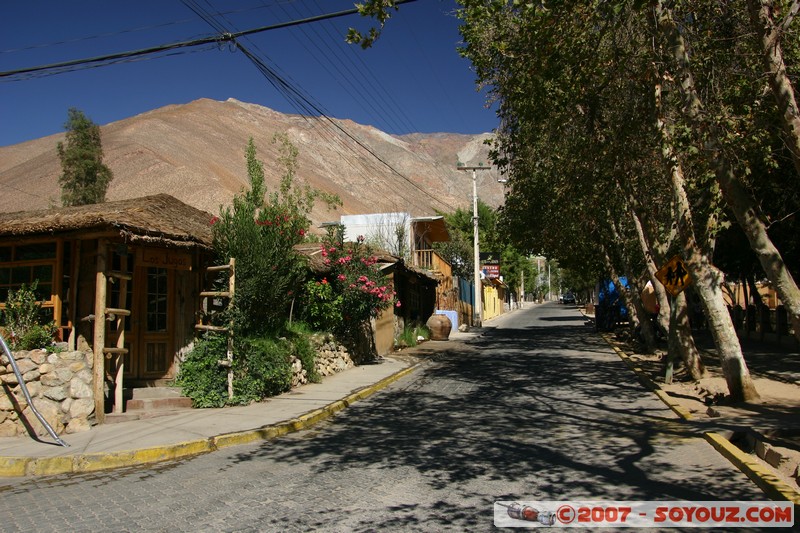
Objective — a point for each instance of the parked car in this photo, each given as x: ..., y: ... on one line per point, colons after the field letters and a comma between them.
x: 568, y: 298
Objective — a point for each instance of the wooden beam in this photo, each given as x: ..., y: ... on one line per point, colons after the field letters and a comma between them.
x: 120, y: 275
x: 120, y: 350
x: 73, y: 295
x: 101, y: 288
x: 210, y: 328
x: 218, y: 268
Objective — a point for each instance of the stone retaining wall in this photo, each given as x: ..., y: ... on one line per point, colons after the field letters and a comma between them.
x: 60, y: 385
x: 332, y: 357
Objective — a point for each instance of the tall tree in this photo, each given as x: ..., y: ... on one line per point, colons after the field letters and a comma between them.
x: 85, y: 178
x: 772, y: 34
x: 574, y: 84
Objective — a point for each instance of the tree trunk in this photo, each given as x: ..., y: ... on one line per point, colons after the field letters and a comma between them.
x: 707, y: 281
x: 779, y: 82
x: 707, y: 278
x: 734, y: 193
x: 644, y: 326
x: 689, y: 353
x: 679, y: 332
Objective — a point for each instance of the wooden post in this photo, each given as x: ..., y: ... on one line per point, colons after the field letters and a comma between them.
x: 672, y: 342
x: 120, y: 357
x: 73, y: 296
x: 100, y: 332
x: 231, y: 288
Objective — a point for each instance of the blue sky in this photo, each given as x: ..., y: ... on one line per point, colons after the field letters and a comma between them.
x: 412, y: 80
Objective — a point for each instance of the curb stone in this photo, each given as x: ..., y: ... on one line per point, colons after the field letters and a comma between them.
x: 773, y: 487
x: 85, y: 463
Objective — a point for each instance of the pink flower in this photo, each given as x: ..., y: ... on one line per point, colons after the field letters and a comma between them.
x: 397, y: 304
x: 214, y: 220
x: 324, y: 281
x: 342, y: 277
x: 302, y: 232
x: 324, y: 253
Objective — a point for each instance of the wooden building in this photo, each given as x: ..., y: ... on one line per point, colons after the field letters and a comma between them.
x: 120, y: 279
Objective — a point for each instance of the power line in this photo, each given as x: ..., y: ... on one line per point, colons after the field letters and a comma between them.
x: 293, y: 93
x: 221, y: 38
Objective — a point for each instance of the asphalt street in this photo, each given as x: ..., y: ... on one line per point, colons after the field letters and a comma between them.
x: 538, y: 408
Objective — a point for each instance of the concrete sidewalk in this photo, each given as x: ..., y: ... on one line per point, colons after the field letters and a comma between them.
x: 196, y: 431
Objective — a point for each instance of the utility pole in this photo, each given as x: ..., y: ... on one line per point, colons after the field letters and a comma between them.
x: 477, y: 308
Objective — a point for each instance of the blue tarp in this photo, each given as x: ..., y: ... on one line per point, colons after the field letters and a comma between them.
x: 611, y: 307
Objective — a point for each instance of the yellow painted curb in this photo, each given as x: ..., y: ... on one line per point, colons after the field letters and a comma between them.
x: 14, y: 466
x: 775, y: 488
x: 309, y: 419
x: 73, y: 464
x: 49, y: 466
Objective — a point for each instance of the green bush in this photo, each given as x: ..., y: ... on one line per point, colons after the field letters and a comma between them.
x: 303, y: 349
x: 22, y: 319
x: 260, y: 230
x: 262, y: 368
x: 409, y: 336
x: 201, y: 376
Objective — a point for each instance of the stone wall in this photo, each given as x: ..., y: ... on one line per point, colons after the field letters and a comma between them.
x: 60, y: 385
x: 332, y: 357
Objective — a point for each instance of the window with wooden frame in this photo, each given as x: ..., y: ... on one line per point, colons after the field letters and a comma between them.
x: 25, y: 263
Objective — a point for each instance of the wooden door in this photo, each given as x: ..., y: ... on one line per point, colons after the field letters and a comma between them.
x: 154, y: 354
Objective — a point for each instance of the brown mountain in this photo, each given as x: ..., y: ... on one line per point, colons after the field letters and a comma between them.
x: 195, y: 152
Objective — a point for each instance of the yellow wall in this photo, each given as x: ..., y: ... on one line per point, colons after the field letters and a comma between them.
x: 492, y: 302
x: 384, y: 331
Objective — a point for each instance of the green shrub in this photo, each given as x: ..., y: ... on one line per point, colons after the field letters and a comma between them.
x: 37, y: 336
x: 410, y: 336
x: 261, y: 369
x: 201, y: 376
x: 303, y: 349
x: 22, y: 319
x: 260, y: 230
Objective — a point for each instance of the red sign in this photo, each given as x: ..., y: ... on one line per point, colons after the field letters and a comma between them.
x: 491, y: 271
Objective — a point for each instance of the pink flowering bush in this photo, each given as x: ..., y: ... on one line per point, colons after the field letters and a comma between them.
x: 353, y: 291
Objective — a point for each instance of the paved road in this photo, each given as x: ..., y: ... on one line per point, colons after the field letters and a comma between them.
x: 537, y: 409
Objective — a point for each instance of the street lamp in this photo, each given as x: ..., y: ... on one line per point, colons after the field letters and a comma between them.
x: 477, y: 308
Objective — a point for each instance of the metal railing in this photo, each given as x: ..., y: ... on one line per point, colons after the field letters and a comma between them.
x: 28, y: 394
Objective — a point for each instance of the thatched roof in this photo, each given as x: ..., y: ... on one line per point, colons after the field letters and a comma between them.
x: 159, y: 219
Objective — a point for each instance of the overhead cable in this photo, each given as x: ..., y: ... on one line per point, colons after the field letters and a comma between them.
x: 221, y: 38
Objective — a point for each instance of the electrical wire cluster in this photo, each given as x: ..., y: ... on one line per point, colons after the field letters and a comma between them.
x: 350, y: 68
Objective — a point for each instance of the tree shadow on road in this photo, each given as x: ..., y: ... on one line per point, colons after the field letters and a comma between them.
x: 548, y: 412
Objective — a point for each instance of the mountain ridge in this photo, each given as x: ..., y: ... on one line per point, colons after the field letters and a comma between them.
x: 195, y: 152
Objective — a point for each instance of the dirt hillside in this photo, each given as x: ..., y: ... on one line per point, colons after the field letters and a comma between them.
x: 195, y: 152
